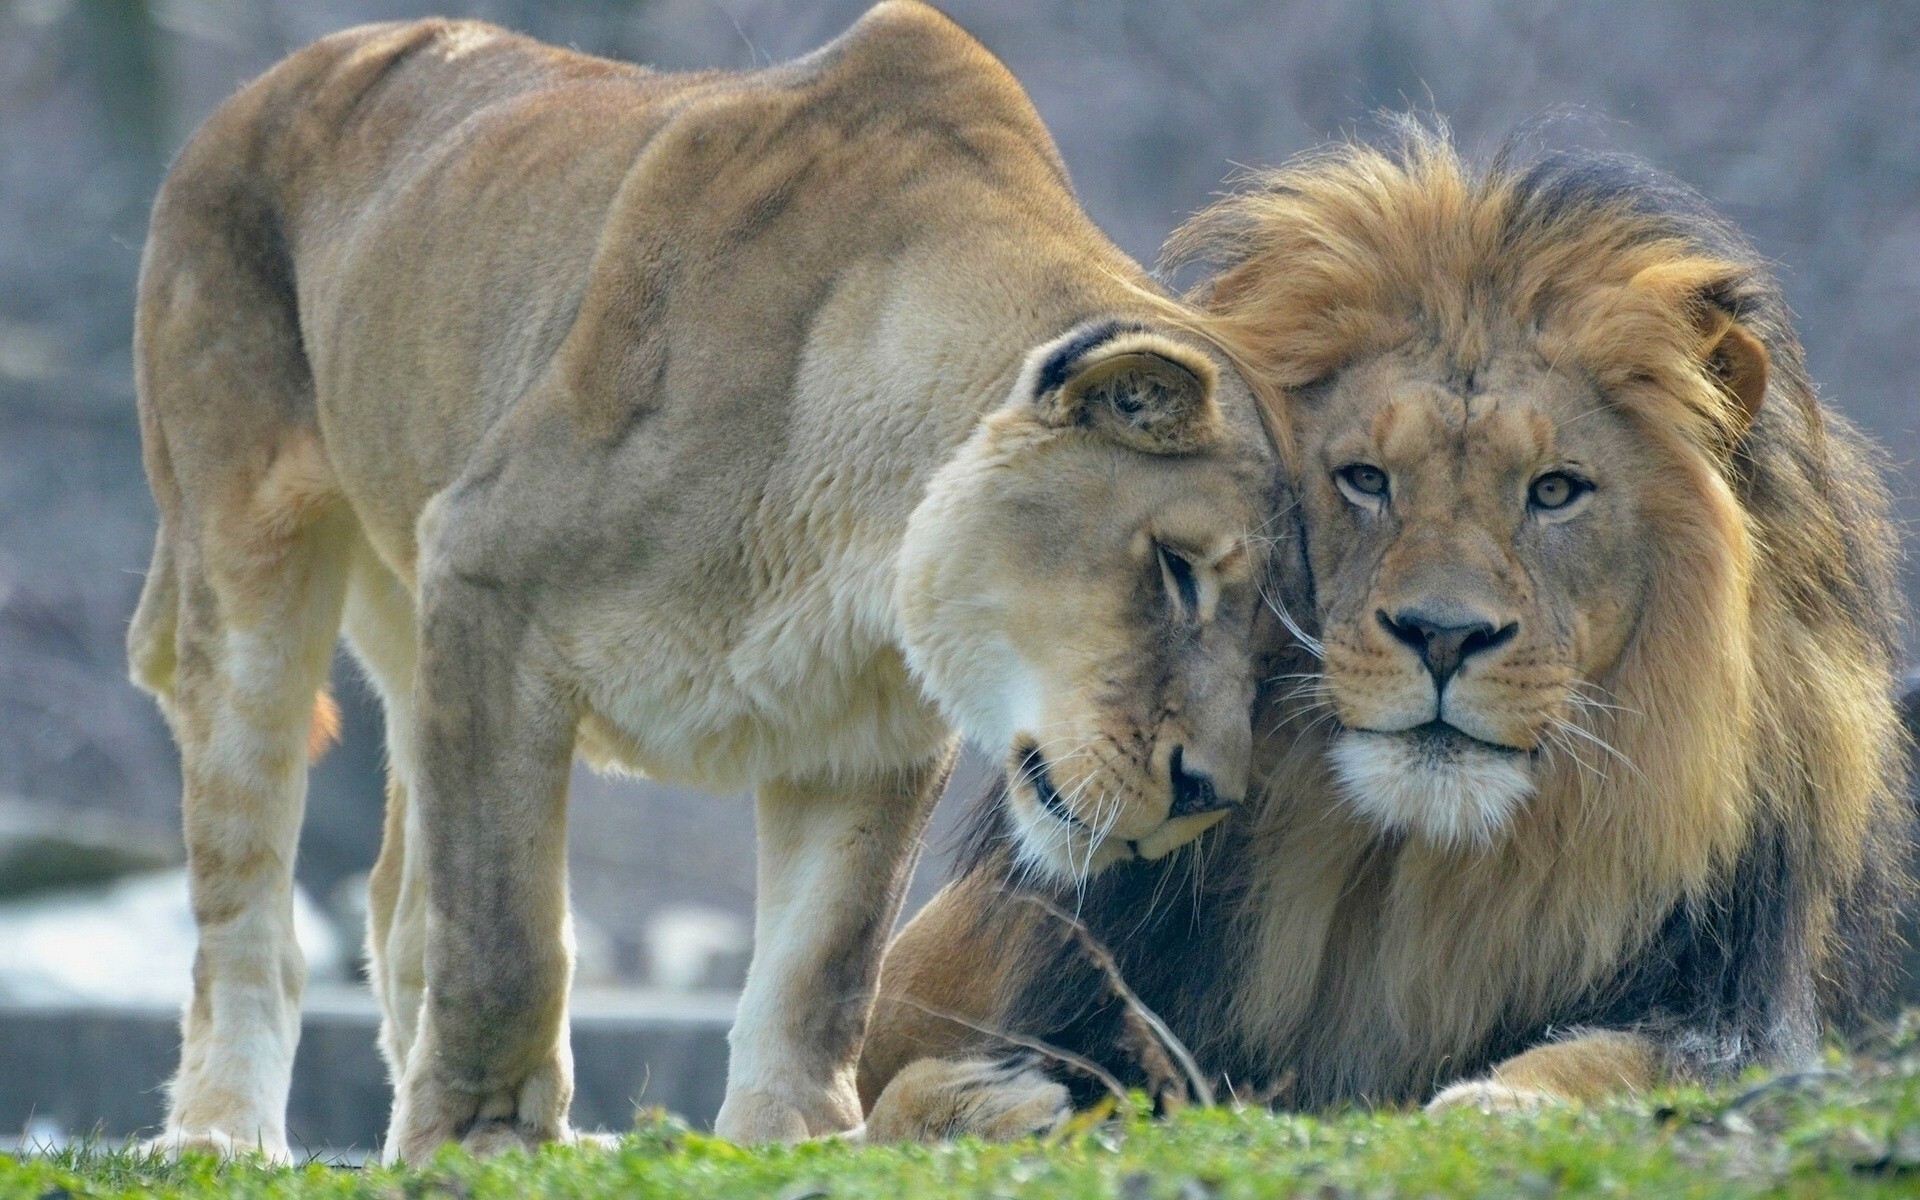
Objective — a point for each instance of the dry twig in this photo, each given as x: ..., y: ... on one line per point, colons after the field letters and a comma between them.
x: 1067, y: 1057
x: 1162, y: 1037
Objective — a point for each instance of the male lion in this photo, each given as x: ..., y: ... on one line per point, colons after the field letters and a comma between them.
x: 1580, y: 768
x: 745, y: 428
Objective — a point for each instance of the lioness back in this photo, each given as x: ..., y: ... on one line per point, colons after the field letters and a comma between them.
x: 490, y: 235
x: 460, y: 190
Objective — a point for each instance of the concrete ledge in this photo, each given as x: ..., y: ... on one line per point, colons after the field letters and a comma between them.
x: 81, y: 1069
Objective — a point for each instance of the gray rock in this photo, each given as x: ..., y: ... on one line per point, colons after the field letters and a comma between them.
x: 130, y: 941
x: 43, y: 847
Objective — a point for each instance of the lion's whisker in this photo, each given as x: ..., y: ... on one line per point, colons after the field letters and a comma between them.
x: 1312, y: 645
x: 1316, y: 706
x: 1318, y: 721
x: 1559, y: 741
x: 1600, y: 742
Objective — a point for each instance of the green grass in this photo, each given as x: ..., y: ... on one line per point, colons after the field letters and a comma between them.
x: 1850, y: 1129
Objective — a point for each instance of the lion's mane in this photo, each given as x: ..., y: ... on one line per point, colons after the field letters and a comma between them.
x: 1729, y: 893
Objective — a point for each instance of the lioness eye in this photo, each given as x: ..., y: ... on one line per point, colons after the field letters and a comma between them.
x: 1556, y: 489
x: 1178, y: 573
x: 1364, y: 478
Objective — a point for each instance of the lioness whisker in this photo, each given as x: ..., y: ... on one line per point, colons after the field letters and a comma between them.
x: 1271, y: 518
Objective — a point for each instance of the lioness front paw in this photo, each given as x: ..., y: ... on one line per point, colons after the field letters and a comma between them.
x: 937, y: 1098
x: 220, y: 1143
x: 489, y: 1138
x: 1490, y: 1096
x: 415, y: 1141
x: 754, y: 1116
x: 428, y: 1113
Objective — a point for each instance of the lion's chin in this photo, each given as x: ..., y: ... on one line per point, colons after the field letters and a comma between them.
x: 1444, y: 788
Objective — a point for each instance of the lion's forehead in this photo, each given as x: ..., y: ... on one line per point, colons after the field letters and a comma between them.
x: 1461, y: 427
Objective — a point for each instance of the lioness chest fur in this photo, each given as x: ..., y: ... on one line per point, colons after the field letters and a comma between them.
x: 746, y: 429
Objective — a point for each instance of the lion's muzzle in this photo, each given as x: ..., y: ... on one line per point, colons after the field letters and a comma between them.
x: 1445, y: 642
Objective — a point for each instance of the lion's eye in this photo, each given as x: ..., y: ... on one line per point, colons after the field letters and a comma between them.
x: 1364, y: 478
x: 1557, y: 489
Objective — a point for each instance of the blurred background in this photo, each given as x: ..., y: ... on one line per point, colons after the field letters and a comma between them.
x: 1799, y: 118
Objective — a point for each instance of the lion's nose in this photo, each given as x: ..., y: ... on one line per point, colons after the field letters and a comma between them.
x: 1444, y: 644
x: 1193, y: 791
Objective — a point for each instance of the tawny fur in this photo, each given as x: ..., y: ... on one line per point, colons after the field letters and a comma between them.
x: 749, y: 429
x: 323, y: 727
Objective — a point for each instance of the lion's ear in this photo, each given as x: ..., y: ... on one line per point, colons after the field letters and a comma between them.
x: 1738, y: 360
x: 1142, y: 389
x: 1709, y: 292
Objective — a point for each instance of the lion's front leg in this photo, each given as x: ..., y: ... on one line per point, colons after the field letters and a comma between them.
x: 489, y: 1065
x: 834, y: 860
x: 1587, y: 1067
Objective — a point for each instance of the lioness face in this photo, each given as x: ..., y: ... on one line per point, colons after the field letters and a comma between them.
x: 1477, y: 544
x: 1080, y: 590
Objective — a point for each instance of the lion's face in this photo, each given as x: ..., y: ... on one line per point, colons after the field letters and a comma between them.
x: 1079, y: 593
x: 1478, y: 550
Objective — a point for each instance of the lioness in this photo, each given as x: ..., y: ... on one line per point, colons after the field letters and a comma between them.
x: 751, y: 428
x: 1581, y: 769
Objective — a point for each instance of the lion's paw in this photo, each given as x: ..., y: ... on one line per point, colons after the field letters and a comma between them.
x: 1490, y: 1096
x: 937, y: 1098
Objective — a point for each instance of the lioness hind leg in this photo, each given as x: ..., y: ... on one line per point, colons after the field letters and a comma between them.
x: 256, y: 614
x: 996, y: 1099
x: 380, y: 628
x: 834, y: 860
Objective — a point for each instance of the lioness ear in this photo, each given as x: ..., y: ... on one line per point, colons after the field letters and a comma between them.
x: 1739, y: 361
x: 1143, y: 389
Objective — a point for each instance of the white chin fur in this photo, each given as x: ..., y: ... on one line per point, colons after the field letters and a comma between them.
x: 1053, y: 850
x: 1450, y: 794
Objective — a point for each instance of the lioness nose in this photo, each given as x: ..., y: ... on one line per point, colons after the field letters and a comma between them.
x: 1443, y: 646
x: 1193, y: 791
